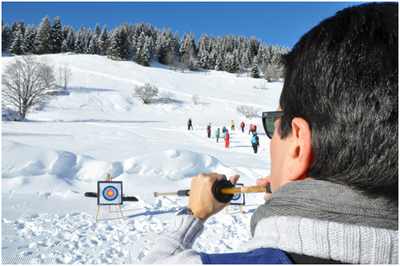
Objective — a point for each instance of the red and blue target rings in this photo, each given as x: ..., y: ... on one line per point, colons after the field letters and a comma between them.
x: 110, y: 193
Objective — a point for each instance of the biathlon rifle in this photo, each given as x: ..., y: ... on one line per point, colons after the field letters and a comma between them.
x: 222, y: 190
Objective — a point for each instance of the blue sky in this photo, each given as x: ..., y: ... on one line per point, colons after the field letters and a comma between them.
x: 281, y: 23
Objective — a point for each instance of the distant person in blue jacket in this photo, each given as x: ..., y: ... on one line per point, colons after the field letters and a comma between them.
x: 334, y: 155
x: 255, y: 142
x: 224, y: 129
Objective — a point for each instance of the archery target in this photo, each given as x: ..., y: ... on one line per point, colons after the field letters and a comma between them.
x: 238, y: 199
x: 109, y: 193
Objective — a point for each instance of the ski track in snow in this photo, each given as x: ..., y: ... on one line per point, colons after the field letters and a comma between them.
x: 75, y: 140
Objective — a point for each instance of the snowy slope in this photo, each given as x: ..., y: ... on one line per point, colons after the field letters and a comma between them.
x: 99, y: 128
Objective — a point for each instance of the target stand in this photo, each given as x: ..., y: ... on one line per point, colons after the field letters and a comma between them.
x: 109, y: 197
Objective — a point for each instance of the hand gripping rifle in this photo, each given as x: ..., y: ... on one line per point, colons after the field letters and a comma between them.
x: 222, y: 190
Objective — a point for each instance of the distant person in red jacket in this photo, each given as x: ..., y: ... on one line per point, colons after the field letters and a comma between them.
x: 253, y: 128
x: 242, y: 125
x: 209, y: 131
x: 227, y: 137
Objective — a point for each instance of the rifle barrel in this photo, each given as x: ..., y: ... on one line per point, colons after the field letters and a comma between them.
x: 250, y: 189
x: 226, y: 191
x: 157, y: 194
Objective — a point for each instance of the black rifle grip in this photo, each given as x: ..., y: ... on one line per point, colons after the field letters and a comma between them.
x: 91, y: 194
x: 131, y: 198
x: 216, y: 190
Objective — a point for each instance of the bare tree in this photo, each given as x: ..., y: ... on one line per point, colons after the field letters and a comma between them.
x: 64, y: 75
x: 146, y: 92
x: 248, y: 111
x: 25, y: 83
x: 273, y: 72
x: 46, y: 73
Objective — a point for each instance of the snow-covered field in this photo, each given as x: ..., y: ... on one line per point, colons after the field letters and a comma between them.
x: 99, y: 128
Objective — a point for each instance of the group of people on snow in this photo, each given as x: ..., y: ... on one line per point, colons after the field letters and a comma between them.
x: 255, y: 142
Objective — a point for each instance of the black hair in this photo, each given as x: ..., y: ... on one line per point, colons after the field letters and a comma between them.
x: 342, y: 78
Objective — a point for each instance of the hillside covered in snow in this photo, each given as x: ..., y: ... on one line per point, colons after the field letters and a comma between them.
x: 100, y: 127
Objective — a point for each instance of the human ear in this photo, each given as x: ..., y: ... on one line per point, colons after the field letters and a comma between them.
x: 300, y: 149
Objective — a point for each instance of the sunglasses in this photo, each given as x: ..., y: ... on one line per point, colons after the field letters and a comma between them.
x: 268, y: 120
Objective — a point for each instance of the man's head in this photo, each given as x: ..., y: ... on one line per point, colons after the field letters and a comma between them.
x: 339, y: 102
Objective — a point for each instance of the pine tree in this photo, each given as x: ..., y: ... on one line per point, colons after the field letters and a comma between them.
x: 17, y: 46
x: 113, y: 51
x: 167, y: 47
x: 69, y: 42
x: 56, y: 35
x: 64, y: 46
x: 17, y: 27
x: 147, y: 51
x: 245, y: 60
x: 6, y: 38
x: 43, y: 37
x: 203, y: 53
x: 119, y: 44
x: 211, y: 59
x: 97, y: 31
x: 29, y: 40
x: 103, y: 42
x: 87, y: 37
x: 255, y: 73
x: 124, y: 43
x: 79, y: 46
x: 93, y: 46
x: 173, y: 50
x: 65, y: 31
x: 219, y: 63
x: 254, y: 45
x: 143, y: 51
x: 260, y: 58
x: 231, y: 65
x: 188, y: 51
x: 162, y: 46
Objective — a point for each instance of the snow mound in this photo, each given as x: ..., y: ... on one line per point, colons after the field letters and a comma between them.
x: 62, y: 168
x: 174, y: 164
x: 27, y: 161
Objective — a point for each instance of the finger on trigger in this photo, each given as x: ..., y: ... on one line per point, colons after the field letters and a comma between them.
x: 262, y: 182
x: 234, y: 179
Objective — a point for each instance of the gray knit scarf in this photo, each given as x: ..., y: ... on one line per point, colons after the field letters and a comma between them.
x: 324, y: 200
